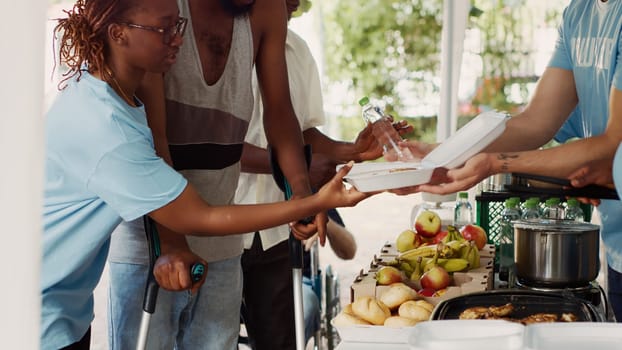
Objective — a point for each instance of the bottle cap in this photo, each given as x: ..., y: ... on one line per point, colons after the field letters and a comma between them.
x: 463, y: 195
x: 364, y: 101
x: 531, y: 204
x: 572, y: 202
x: 552, y: 201
x: 509, y: 203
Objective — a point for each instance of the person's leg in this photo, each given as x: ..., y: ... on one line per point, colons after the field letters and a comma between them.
x: 269, y: 297
x: 82, y: 344
x: 614, y: 292
x: 125, y: 310
x: 212, y: 318
x: 311, y: 306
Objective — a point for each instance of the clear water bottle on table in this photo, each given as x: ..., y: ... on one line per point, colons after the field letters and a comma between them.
x: 463, y: 211
x: 506, y: 241
x: 530, y: 210
x: 552, y: 209
x: 384, y: 131
x: 573, y: 210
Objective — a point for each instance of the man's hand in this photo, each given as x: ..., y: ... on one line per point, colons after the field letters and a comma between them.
x: 367, y: 146
x: 172, y: 271
x: 598, y: 172
x: 470, y: 174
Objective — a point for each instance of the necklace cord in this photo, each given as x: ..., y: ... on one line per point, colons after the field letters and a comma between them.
x: 124, y: 96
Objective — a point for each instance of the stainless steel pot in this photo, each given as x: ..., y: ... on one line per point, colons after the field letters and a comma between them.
x: 556, y: 253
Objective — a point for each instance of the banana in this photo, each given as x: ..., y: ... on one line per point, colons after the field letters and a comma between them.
x: 423, y: 251
x: 454, y: 264
x: 434, y: 261
x: 444, y: 251
x: 452, y: 235
x: 406, y: 267
x: 473, y: 257
x: 417, y: 271
x: 456, y: 246
x: 450, y: 265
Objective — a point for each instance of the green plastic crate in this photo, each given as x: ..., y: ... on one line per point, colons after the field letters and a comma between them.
x: 489, y: 206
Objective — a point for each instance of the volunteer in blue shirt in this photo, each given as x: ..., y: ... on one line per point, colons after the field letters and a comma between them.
x: 579, y: 95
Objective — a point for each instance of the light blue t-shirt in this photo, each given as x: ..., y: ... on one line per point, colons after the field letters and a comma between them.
x: 100, y: 166
x: 589, y: 44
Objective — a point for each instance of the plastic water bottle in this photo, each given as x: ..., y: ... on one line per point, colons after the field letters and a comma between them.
x: 506, y: 241
x: 384, y: 131
x: 530, y: 210
x: 463, y: 211
x: 552, y: 209
x: 573, y: 210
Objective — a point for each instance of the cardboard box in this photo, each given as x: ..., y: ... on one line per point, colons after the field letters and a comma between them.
x: 475, y: 280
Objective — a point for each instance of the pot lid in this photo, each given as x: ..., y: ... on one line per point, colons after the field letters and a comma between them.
x: 555, y: 225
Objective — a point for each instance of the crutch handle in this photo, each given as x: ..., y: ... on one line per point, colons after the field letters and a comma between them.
x: 152, y: 287
x: 295, y: 252
x: 196, y: 272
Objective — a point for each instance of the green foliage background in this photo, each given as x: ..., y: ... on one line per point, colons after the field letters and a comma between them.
x: 373, y: 45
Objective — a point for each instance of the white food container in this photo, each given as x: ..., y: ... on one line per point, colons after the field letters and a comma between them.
x: 573, y: 336
x: 467, y: 335
x: 374, y: 334
x: 453, y: 152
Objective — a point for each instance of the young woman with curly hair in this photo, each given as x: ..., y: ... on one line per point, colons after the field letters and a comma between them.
x: 101, y: 166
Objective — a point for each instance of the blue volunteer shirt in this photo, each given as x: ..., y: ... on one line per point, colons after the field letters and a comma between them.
x: 589, y: 45
x: 100, y: 166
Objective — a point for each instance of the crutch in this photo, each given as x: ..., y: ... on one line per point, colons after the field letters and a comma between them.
x: 295, y: 248
x: 151, y: 288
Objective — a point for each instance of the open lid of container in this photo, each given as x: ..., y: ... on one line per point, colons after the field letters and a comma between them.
x: 453, y: 152
x: 469, y: 140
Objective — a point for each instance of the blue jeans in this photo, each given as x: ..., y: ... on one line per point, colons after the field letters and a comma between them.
x: 208, y: 320
x: 311, y: 307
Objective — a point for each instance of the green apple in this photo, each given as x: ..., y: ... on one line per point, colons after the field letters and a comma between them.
x: 406, y: 241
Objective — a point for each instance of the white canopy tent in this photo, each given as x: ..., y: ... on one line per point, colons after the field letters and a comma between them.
x: 21, y: 178
x: 22, y: 144
x: 455, y: 14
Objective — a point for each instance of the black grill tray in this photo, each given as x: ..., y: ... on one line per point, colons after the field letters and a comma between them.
x: 525, y: 303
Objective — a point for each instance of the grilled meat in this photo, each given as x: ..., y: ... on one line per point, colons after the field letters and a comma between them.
x: 538, y: 318
x: 505, y: 311
x: 475, y: 313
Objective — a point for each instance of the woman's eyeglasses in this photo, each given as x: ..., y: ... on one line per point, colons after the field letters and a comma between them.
x: 168, y: 33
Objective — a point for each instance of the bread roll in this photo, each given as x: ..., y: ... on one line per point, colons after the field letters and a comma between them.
x: 397, y: 294
x: 410, y: 309
x: 425, y: 304
x: 371, y: 310
x: 345, y: 319
x: 399, y: 321
x: 348, y: 309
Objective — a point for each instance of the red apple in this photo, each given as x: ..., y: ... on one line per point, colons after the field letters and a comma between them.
x: 474, y: 233
x: 389, y: 274
x: 435, y: 278
x: 439, y: 237
x: 428, y: 223
x: 426, y: 292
